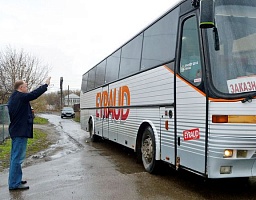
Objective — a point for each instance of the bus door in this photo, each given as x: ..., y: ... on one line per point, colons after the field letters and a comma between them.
x: 105, y: 111
x: 167, y: 136
x: 190, y: 100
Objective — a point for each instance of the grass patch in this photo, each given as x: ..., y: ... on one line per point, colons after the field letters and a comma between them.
x: 38, y: 143
x: 35, y: 145
x: 77, y: 117
x: 40, y: 120
x: 5, y: 149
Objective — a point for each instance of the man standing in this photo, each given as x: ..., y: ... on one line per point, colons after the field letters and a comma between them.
x: 21, y: 128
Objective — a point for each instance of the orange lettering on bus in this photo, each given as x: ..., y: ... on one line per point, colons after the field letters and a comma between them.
x: 111, y: 99
x: 105, y: 100
x: 105, y: 103
x: 114, y: 112
x: 125, y: 100
x: 98, y: 102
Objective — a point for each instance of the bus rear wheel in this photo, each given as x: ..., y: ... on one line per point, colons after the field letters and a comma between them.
x: 148, y: 150
x: 93, y: 137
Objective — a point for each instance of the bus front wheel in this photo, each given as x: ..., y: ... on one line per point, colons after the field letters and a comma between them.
x: 148, y: 150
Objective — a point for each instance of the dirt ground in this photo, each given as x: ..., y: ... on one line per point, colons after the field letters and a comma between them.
x: 44, y: 155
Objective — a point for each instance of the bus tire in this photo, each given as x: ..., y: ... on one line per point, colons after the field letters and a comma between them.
x: 148, y: 151
x: 93, y: 137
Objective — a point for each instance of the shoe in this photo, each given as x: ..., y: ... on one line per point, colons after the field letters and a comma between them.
x: 20, y: 187
x: 23, y: 182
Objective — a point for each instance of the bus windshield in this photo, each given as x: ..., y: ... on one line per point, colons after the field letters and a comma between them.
x: 233, y: 61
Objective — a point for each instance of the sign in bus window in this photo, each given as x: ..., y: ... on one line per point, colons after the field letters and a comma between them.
x: 243, y: 84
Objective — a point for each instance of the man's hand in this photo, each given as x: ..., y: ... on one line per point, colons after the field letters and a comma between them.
x: 48, y: 80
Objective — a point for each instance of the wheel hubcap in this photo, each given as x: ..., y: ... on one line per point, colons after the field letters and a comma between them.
x: 147, y: 149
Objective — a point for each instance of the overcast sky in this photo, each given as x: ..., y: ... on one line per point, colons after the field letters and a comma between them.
x: 71, y: 36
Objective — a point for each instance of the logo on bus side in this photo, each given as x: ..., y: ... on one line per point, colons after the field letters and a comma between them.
x: 115, y: 98
x: 192, y: 134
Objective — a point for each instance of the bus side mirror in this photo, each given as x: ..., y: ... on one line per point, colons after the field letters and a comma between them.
x: 207, y: 14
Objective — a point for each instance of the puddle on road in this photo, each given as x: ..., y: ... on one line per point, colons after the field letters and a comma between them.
x: 124, y: 158
x: 70, y: 138
x: 66, y: 138
x: 177, y: 185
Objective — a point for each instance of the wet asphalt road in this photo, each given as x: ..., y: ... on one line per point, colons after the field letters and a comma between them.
x: 79, y: 169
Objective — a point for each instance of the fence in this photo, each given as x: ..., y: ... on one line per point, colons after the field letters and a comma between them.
x: 4, y: 122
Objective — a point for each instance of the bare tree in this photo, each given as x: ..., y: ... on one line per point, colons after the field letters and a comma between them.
x: 53, y: 99
x: 19, y: 65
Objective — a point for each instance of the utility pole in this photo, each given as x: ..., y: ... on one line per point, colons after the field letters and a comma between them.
x: 68, y: 95
x: 61, y: 84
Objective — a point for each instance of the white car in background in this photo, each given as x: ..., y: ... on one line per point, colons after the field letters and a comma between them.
x: 67, y: 112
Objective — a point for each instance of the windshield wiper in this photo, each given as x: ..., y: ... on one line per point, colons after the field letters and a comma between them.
x: 249, y: 98
x: 216, y: 39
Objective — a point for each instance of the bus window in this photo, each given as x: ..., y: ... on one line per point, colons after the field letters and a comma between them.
x: 130, y: 57
x: 84, y: 82
x: 91, y: 79
x: 159, y: 41
x: 233, y: 67
x: 190, y: 61
x: 112, y: 68
x: 100, y: 74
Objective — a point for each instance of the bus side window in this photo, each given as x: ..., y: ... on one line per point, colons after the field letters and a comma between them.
x: 190, y: 61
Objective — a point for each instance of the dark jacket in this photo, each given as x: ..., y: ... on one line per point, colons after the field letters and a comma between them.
x: 20, y: 113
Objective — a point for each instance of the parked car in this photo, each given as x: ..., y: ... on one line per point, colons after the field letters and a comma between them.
x: 33, y: 112
x: 67, y: 112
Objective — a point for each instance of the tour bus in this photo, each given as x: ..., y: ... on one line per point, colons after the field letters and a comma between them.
x: 182, y: 91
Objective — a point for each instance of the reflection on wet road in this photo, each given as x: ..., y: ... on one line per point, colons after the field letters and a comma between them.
x: 71, y: 137
x: 172, y: 184
x: 178, y: 185
x: 105, y: 170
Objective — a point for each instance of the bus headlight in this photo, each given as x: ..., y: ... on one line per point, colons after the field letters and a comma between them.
x: 228, y: 153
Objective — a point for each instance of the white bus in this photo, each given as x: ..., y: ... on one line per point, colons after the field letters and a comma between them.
x: 182, y: 91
